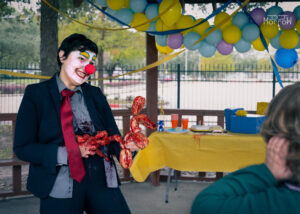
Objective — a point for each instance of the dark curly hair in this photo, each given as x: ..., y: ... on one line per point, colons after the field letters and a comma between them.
x: 283, y: 119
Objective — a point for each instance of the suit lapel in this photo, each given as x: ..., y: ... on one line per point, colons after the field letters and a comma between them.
x: 55, y: 96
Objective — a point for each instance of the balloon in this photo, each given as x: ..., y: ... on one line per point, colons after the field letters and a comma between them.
x: 297, y: 26
x: 224, y: 48
x: 115, y: 5
x: 250, y: 32
x: 232, y: 34
x: 258, y: 15
x: 242, y: 46
x: 160, y: 26
x: 269, y: 29
x: 110, y: 12
x: 189, y: 40
x: 220, y: 17
x: 161, y: 40
x: 240, y: 19
x: 172, y: 15
x: 175, y: 40
x: 297, y: 12
x: 126, y: 4
x: 137, y: 6
x: 214, y: 37
x: 289, y: 39
x: 258, y: 45
x: 185, y: 21
x: 207, y: 50
x: 286, y: 58
x: 298, y: 45
x: 125, y: 15
x: 102, y: 3
x: 140, y: 18
x: 152, y: 27
x: 273, y: 12
x: 151, y: 11
x: 287, y: 20
x: 200, y: 29
x: 275, y: 41
x: 163, y: 50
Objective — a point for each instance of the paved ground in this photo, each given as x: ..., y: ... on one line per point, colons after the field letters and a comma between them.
x: 142, y: 198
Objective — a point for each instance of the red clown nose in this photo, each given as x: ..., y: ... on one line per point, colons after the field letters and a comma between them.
x: 90, y: 69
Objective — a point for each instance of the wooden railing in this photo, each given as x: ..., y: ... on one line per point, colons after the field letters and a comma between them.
x: 16, y: 164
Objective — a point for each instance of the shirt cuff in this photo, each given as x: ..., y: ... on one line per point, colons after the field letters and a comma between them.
x: 62, y: 156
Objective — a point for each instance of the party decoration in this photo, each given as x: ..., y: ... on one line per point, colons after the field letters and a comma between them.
x: 160, y: 26
x: 232, y: 34
x: 206, y: 49
x: 297, y: 26
x: 200, y: 29
x: 152, y: 27
x: 258, y: 45
x: 286, y: 58
x: 125, y: 15
x: 163, y: 50
x: 269, y: 29
x: 242, y: 46
x: 258, y: 15
x: 102, y: 3
x: 189, y: 40
x: 289, y: 39
x: 287, y: 20
x: 215, y: 37
x: 175, y: 40
x: 273, y: 13
x: 224, y: 48
x: 220, y: 17
x: 185, y: 21
x: 161, y: 40
x: 240, y: 19
x: 151, y: 11
x: 138, y: 19
x: 250, y: 32
x: 173, y: 14
x: 137, y: 6
x: 115, y: 5
x: 275, y: 41
x: 296, y: 11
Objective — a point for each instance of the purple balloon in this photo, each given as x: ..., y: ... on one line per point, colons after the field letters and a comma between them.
x: 259, y: 15
x: 224, y: 48
x: 287, y: 20
x: 175, y: 40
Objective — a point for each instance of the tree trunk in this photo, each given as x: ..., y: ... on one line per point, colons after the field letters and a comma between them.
x: 101, y: 68
x: 49, y: 38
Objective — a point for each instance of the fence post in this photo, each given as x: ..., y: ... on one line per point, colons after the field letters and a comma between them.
x: 178, y: 86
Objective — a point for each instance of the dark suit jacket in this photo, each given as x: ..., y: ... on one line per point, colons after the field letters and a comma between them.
x: 38, y: 130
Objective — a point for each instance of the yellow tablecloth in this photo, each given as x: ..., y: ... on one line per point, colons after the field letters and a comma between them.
x: 203, y: 153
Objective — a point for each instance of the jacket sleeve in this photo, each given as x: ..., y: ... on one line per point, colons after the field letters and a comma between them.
x: 249, y: 190
x: 26, y: 144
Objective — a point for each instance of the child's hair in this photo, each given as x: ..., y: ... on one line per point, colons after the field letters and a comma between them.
x: 76, y: 42
x: 283, y: 119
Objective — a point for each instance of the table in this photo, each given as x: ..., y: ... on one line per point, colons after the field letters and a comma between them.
x: 198, y: 152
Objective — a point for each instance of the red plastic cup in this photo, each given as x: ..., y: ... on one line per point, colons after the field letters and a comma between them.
x: 185, y: 123
x: 174, y: 120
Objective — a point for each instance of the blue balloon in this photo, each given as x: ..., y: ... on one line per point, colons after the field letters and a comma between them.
x: 152, y: 27
x: 189, y: 40
x: 110, y: 12
x: 273, y: 13
x: 298, y: 45
x: 151, y: 11
x: 215, y: 37
x: 240, y: 19
x: 207, y: 50
x: 275, y: 41
x: 250, y: 32
x: 297, y: 12
x: 242, y: 46
x: 102, y: 3
x: 125, y: 15
x: 286, y: 58
x: 161, y: 40
x: 137, y: 6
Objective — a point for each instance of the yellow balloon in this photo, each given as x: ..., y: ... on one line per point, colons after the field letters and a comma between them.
x: 185, y: 21
x: 160, y: 26
x: 220, y: 17
x: 126, y: 4
x: 297, y: 26
x: 289, y: 39
x: 163, y: 50
x: 115, y: 5
x: 201, y: 28
x: 258, y: 45
x: 232, y: 34
x: 140, y: 18
x: 173, y: 14
x: 269, y: 29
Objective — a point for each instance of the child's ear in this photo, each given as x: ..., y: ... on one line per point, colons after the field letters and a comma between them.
x: 61, y: 56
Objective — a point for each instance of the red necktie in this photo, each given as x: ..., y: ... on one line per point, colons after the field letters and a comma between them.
x: 75, y: 160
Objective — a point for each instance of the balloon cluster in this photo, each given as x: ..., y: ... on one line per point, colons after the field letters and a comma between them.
x: 241, y: 32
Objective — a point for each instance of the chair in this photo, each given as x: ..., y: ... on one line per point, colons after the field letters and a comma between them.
x: 168, y: 183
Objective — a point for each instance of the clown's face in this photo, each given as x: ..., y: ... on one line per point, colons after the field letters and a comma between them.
x: 73, y: 68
